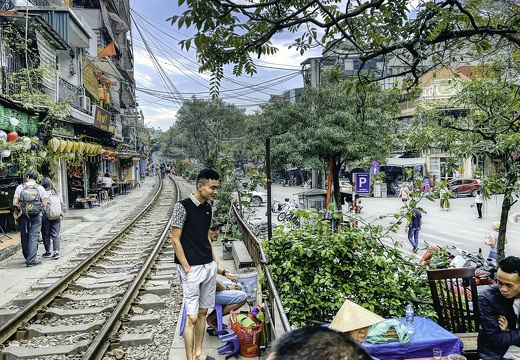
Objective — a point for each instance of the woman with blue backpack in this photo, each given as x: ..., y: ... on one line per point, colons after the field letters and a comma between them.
x: 51, y: 222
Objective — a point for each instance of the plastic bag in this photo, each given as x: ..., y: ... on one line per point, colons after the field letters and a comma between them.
x: 386, y: 331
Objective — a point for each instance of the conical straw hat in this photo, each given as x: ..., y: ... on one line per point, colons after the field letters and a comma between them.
x: 351, y: 316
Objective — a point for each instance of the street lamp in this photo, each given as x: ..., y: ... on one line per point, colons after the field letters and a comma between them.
x: 268, y: 184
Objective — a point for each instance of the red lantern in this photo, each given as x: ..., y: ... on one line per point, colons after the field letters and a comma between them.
x: 12, y: 136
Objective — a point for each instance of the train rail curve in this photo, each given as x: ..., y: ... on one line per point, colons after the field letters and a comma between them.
x: 103, y: 306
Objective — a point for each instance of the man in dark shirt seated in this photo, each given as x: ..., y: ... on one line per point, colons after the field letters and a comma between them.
x: 499, y: 306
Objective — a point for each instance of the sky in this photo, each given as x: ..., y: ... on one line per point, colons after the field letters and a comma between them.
x: 165, y: 74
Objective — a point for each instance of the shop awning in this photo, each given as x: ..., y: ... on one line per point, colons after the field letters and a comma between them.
x: 405, y: 161
x: 107, y: 66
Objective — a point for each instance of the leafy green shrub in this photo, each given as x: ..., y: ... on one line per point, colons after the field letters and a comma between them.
x: 192, y: 175
x: 315, y: 269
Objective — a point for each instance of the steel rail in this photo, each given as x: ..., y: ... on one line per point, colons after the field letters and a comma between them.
x: 100, y: 344
x: 9, y: 327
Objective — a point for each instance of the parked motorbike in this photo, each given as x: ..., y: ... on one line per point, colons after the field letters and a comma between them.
x: 485, y: 269
x: 287, y: 210
x: 438, y: 257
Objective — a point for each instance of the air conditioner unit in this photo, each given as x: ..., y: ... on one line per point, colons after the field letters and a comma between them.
x: 85, y: 102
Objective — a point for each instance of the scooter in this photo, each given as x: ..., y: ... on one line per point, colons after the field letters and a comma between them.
x: 435, y: 262
x: 485, y: 269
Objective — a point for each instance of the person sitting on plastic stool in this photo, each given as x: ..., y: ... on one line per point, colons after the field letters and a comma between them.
x: 229, y: 294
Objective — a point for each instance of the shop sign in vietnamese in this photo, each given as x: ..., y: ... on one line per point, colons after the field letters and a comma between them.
x: 102, y: 119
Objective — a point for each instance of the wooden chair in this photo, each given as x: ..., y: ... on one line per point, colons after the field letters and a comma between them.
x: 455, y: 300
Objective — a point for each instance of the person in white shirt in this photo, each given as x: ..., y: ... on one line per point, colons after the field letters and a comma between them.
x: 106, y: 183
x: 30, y: 224
x: 478, y: 203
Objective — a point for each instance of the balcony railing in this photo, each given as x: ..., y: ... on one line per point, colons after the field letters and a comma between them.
x: 74, y: 95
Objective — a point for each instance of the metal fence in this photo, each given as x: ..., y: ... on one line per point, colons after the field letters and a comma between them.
x: 277, y: 321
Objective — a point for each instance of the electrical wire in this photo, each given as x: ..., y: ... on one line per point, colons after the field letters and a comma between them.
x: 244, y: 94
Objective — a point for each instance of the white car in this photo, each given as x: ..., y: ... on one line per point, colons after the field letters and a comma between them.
x: 345, y: 186
x: 257, y: 198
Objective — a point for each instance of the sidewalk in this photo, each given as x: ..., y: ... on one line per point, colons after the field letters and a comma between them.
x: 79, y: 228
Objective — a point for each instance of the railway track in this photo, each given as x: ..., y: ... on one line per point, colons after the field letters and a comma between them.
x: 104, y: 304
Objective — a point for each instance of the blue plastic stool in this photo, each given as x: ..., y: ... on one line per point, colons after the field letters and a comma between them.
x: 231, y: 343
x: 218, y: 309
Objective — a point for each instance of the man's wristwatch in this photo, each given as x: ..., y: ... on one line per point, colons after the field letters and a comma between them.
x: 224, y: 272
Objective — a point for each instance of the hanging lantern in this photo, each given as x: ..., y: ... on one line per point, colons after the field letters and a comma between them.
x: 6, y: 153
x: 82, y: 146
x: 100, y: 150
x: 54, y: 144
x: 26, y: 143
x: 68, y: 148
x: 62, y: 146
x: 3, y: 135
x: 75, y: 146
x: 12, y: 136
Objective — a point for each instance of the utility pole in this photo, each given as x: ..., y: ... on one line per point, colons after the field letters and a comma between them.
x: 269, y: 181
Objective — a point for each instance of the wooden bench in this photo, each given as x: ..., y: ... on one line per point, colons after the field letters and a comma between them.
x: 241, y: 255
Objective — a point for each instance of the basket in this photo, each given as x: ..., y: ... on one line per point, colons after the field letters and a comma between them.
x: 248, y: 337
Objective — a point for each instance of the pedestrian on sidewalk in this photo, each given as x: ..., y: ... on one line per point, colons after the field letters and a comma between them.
x: 404, y: 193
x: 478, y: 203
x: 413, y: 227
x: 51, y: 227
x: 229, y: 293
x: 492, y: 240
x: 29, y: 200
x: 197, y: 263
x: 444, y: 197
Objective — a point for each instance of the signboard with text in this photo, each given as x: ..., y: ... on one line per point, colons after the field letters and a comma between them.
x: 102, y: 119
x: 362, y: 183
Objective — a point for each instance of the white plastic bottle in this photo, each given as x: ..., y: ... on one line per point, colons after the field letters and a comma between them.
x: 410, y: 318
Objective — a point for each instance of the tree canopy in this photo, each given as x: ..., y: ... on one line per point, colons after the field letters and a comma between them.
x: 203, y: 124
x: 233, y: 31
x: 487, y: 127
x: 338, y: 121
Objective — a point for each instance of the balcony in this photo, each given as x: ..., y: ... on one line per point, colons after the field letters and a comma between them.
x: 75, y: 96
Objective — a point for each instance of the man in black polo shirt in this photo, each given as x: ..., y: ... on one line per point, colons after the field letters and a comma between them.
x: 196, y: 259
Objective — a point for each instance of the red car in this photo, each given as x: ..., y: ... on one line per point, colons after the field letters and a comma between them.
x: 467, y: 187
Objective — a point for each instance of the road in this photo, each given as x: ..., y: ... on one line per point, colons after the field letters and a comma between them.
x: 459, y: 226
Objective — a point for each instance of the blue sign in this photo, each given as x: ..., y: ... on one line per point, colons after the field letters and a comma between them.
x: 374, y: 169
x: 363, y: 183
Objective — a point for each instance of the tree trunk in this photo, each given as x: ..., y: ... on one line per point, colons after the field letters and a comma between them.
x: 506, y: 206
x: 336, y: 165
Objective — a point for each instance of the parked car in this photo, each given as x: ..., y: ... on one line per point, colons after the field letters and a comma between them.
x: 468, y: 187
x: 345, y: 186
x: 256, y: 198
